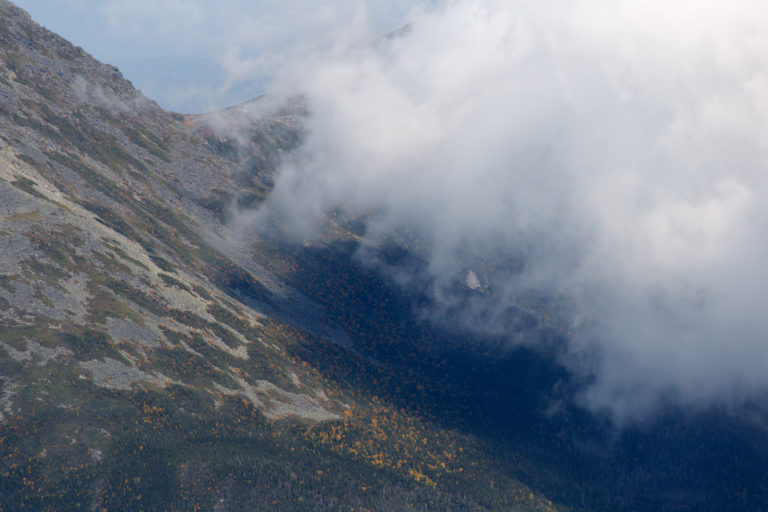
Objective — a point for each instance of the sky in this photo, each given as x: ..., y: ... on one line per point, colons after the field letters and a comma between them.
x: 195, y: 56
x: 604, y: 162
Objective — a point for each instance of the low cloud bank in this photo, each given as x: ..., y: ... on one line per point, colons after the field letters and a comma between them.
x: 603, y: 162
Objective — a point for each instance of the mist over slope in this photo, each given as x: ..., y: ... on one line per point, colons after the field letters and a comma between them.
x: 606, y: 159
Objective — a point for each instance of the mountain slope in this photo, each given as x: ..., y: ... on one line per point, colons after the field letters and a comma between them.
x: 157, y: 355
x: 147, y: 360
x: 103, y: 233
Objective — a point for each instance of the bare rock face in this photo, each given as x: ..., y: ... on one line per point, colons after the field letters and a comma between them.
x: 115, y: 259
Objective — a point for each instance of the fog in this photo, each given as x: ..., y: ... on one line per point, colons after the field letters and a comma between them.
x: 600, y: 164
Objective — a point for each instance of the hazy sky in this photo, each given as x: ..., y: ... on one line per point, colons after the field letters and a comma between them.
x: 196, y: 55
x: 610, y: 156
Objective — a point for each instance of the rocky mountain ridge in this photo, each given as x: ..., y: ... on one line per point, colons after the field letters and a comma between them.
x: 83, y: 159
x: 142, y: 339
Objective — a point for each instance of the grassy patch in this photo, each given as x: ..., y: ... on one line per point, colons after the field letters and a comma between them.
x: 104, y: 305
x: 199, y: 290
x: 93, y: 178
x: 111, y: 264
x: 217, y: 203
x: 162, y: 263
x: 126, y: 257
x: 147, y: 141
x: 136, y: 296
x: 170, y: 281
x: 238, y: 282
x: 110, y: 218
x: 93, y: 142
x: 5, y: 283
x: 28, y: 186
x: 38, y: 270
x: 90, y: 344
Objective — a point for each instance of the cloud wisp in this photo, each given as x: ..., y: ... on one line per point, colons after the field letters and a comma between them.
x: 608, y: 157
x: 195, y: 56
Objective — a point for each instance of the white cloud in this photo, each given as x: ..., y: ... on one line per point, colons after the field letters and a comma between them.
x: 609, y: 156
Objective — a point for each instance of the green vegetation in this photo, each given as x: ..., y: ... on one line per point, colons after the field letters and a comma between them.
x: 170, y: 281
x: 28, y: 186
x: 173, y: 450
x: 147, y: 141
x: 5, y: 33
x: 125, y: 257
x: 136, y: 296
x: 89, y: 344
x: 104, y: 305
x: 5, y: 284
x: 95, y: 179
x: 34, y: 269
x: 217, y: 202
x: 199, y: 290
x: 109, y: 218
x: 14, y: 61
x: 94, y: 143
